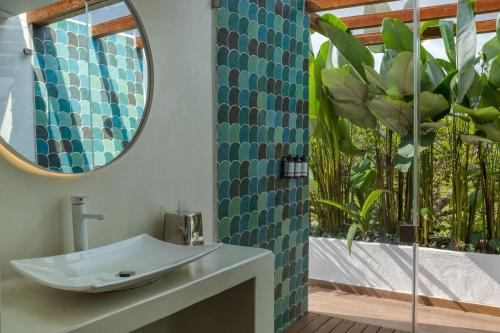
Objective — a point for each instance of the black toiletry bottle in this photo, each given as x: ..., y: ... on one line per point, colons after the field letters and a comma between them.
x: 298, y: 167
x: 291, y: 167
x: 305, y: 166
x: 284, y: 167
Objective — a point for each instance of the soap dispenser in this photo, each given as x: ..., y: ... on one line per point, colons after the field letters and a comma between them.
x: 183, y: 227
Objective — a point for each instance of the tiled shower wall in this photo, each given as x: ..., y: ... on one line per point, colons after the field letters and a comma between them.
x: 262, y: 94
x: 88, y: 103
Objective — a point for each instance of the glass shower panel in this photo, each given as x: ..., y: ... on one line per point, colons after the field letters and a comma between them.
x: 459, y: 173
x: 362, y: 153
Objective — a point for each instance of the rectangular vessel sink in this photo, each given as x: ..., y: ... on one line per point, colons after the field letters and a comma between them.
x: 127, y: 264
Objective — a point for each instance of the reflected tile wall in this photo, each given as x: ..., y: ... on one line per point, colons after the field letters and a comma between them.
x: 262, y: 94
x: 84, y: 121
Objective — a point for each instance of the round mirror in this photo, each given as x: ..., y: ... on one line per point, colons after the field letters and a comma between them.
x: 74, y: 80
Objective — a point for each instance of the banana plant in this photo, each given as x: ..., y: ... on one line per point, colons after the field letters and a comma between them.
x: 394, y: 105
x: 485, y: 112
x: 487, y: 122
x: 363, y: 95
x: 466, y: 48
x: 478, y: 101
x: 350, y: 91
x: 360, y: 215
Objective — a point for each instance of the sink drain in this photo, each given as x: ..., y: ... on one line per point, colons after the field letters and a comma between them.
x: 125, y: 274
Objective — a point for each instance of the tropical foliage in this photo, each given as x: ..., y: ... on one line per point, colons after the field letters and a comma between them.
x: 360, y: 216
x: 363, y: 142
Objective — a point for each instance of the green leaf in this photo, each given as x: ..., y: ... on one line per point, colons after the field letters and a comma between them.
x: 313, y: 103
x: 404, y: 157
x: 354, y: 214
x: 476, y: 237
x: 353, y: 207
x: 406, y: 147
x: 351, y: 48
x: 379, y: 48
x: 343, y: 86
x: 402, y: 163
x: 358, y: 114
x: 476, y: 88
x: 447, y: 29
x: 316, y: 94
x: 489, y: 95
x: 344, y: 138
x: 495, y: 244
x: 480, y: 116
x: 466, y: 47
x: 473, y: 139
x: 375, y: 78
x: 372, y: 198
x: 428, y: 24
x: 335, y: 21
x: 435, y: 72
x: 491, y: 48
x: 447, y: 66
x: 492, y: 130
x: 494, y: 77
x: 338, y: 60
x: 426, y: 127
x: 401, y: 73
x: 433, y: 106
x: 363, y: 175
x: 428, y: 213
x: 350, y: 235
x: 444, y: 87
x: 395, y: 114
x: 313, y: 185
x: 396, y: 35
x: 319, y: 65
x: 387, y: 61
x: 487, y: 122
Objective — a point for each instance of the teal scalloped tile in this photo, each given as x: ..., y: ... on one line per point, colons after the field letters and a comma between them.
x: 261, y: 81
x: 77, y: 159
x: 108, y: 146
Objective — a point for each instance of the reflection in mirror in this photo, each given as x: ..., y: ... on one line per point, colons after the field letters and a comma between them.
x: 117, y: 85
x: 73, y: 89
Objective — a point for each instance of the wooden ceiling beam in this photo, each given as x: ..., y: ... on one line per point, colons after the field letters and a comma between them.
x: 64, y: 9
x: 486, y: 26
x: 426, y: 14
x: 139, y: 42
x: 313, y: 6
x: 114, y: 26
x: 55, y: 12
x: 431, y: 33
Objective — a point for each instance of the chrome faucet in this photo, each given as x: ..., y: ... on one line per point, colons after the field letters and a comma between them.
x: 80, y: 217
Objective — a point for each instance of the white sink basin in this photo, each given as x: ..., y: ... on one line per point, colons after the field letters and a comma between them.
x: 127, y: 264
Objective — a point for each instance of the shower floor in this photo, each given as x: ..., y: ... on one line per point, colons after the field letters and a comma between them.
x: 388, y: 316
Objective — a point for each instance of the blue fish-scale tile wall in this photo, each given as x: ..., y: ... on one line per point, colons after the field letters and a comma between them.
x: 88, y: 103
x: 262, y: 94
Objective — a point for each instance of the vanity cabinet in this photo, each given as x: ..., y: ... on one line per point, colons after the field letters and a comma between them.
x: 229, y: 290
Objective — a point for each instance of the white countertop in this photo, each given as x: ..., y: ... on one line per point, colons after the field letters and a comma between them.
x: 30, y: 307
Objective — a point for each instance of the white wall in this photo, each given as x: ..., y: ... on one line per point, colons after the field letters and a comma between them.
x: 172, y: 160
x: 17, y: 123
x: 458, y: 276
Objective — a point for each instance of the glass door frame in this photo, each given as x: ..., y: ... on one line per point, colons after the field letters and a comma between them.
x: 416, y: 161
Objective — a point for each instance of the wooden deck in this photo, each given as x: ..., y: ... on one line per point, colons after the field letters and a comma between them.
x: 318, y: 323
x: 326, y: 305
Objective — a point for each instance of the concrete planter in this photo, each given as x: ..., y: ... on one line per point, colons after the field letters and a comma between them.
x: 456, y: 276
